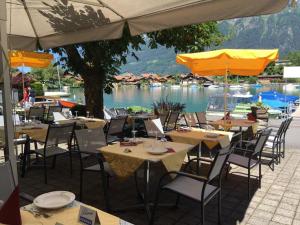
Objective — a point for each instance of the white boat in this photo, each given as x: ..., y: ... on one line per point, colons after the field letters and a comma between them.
x: 57, y: 93
x: 155, y: 84
x: 242, y: 95
x: 235, y: 86
x: 207, y: 84
x: 289, y: 87
x: 214, y: 86
x: 175, y: 86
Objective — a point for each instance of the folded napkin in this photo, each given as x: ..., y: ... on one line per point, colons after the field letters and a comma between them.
x: 128, y: 143
x: 170, y: 150
x: 10, y: 210
x: 184, y: 130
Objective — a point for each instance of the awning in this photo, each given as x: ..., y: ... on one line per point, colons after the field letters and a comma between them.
x: 53, y: 23
x: 243, y: 62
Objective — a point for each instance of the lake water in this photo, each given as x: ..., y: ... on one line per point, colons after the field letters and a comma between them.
x: 194, y: 98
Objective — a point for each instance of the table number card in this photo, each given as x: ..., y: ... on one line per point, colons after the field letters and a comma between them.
x: 88, y: 216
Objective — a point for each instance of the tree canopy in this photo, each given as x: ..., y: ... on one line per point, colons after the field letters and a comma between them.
x: 97, y: 61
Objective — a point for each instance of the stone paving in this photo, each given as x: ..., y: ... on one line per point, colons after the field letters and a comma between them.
x: 275, y: 203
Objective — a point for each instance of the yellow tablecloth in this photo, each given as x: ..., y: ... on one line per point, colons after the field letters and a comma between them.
x: 196, y: 136
x: 125, y: 164
x: 228, y: 124
x: 32, y: 131
x: 66, y: 216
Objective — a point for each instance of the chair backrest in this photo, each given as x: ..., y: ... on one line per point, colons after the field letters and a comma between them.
x: 218, y: 163
x: 7, y: 182
x: 281, y: 128
x: 67, y: 112
x: 236, y: 138
x: 52, y: 109
x: 154, y: 127
x: 163, y: 118
x: 287, y: 125
x: 116, y: 125
x: 122, y: 112
x: 261, y: 141
x: 59, y: 134
x: 58, y: 116
x: 172, y: 120
x: 202, y: 120
x: 37, y: 112
x: 190, y: 119
x: 89, y: 140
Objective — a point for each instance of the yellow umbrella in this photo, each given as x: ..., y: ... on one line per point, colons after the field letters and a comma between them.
x: 30, y: 59
x: 224, y: 62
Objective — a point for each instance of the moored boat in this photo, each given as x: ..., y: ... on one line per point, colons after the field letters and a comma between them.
x: 67, y: 104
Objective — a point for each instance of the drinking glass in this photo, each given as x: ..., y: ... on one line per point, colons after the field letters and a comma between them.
x: 134, y: 135
x: 76, y: 114
x: 88, y: 114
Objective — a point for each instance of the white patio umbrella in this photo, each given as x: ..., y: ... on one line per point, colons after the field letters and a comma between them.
x: 55, y: 23
x: 50, y: 23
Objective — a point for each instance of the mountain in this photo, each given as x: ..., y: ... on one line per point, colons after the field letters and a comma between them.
x: 160, y: 61
x: 281, y: 30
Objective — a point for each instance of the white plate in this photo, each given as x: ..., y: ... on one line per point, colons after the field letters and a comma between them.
x: 54, y: 199
x: 157, y: 151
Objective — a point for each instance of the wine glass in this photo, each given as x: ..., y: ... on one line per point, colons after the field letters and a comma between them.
x: 134, y: 135
x: 88, y: 114
x: 76, y: 114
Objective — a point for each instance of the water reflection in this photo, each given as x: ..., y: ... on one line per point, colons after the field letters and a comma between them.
x: 194, y: 98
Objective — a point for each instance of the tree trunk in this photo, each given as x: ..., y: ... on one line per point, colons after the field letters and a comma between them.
x: 93, y: 91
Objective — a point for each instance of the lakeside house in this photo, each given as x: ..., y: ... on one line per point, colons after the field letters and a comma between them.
x: 155, y: 79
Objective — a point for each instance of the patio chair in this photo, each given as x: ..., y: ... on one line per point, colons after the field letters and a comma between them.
x: 122, y: 112
x: 56, y: 135
x: 37, y: 113
x: 197, y: 188
x: 52, y: 109
x: 272, y: 148
x: 88, y: 142
x: 282, y: 153
x: 154, y: 128
x: 191, y: 119
x: 59, y: 117
x: 171, y: 122
x: 252, y: 158
x: 164, y: 118
x: 202, y: 120
x: 115, y: 129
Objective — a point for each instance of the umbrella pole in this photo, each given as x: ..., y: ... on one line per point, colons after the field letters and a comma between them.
x: 9, y: 152
x: 225, y: 94
x: 23, y: 84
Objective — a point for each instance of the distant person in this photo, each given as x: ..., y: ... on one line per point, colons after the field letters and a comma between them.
x: 31, y: 95
x: 253, y: 115
x: 25, y: 95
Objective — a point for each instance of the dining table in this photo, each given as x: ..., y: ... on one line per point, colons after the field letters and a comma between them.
x: 66, y: 215
x: 125, y: 160
x: 198, y: 136
x: 82, y: 121
x: 231, y: 123
x: 139, y: 116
